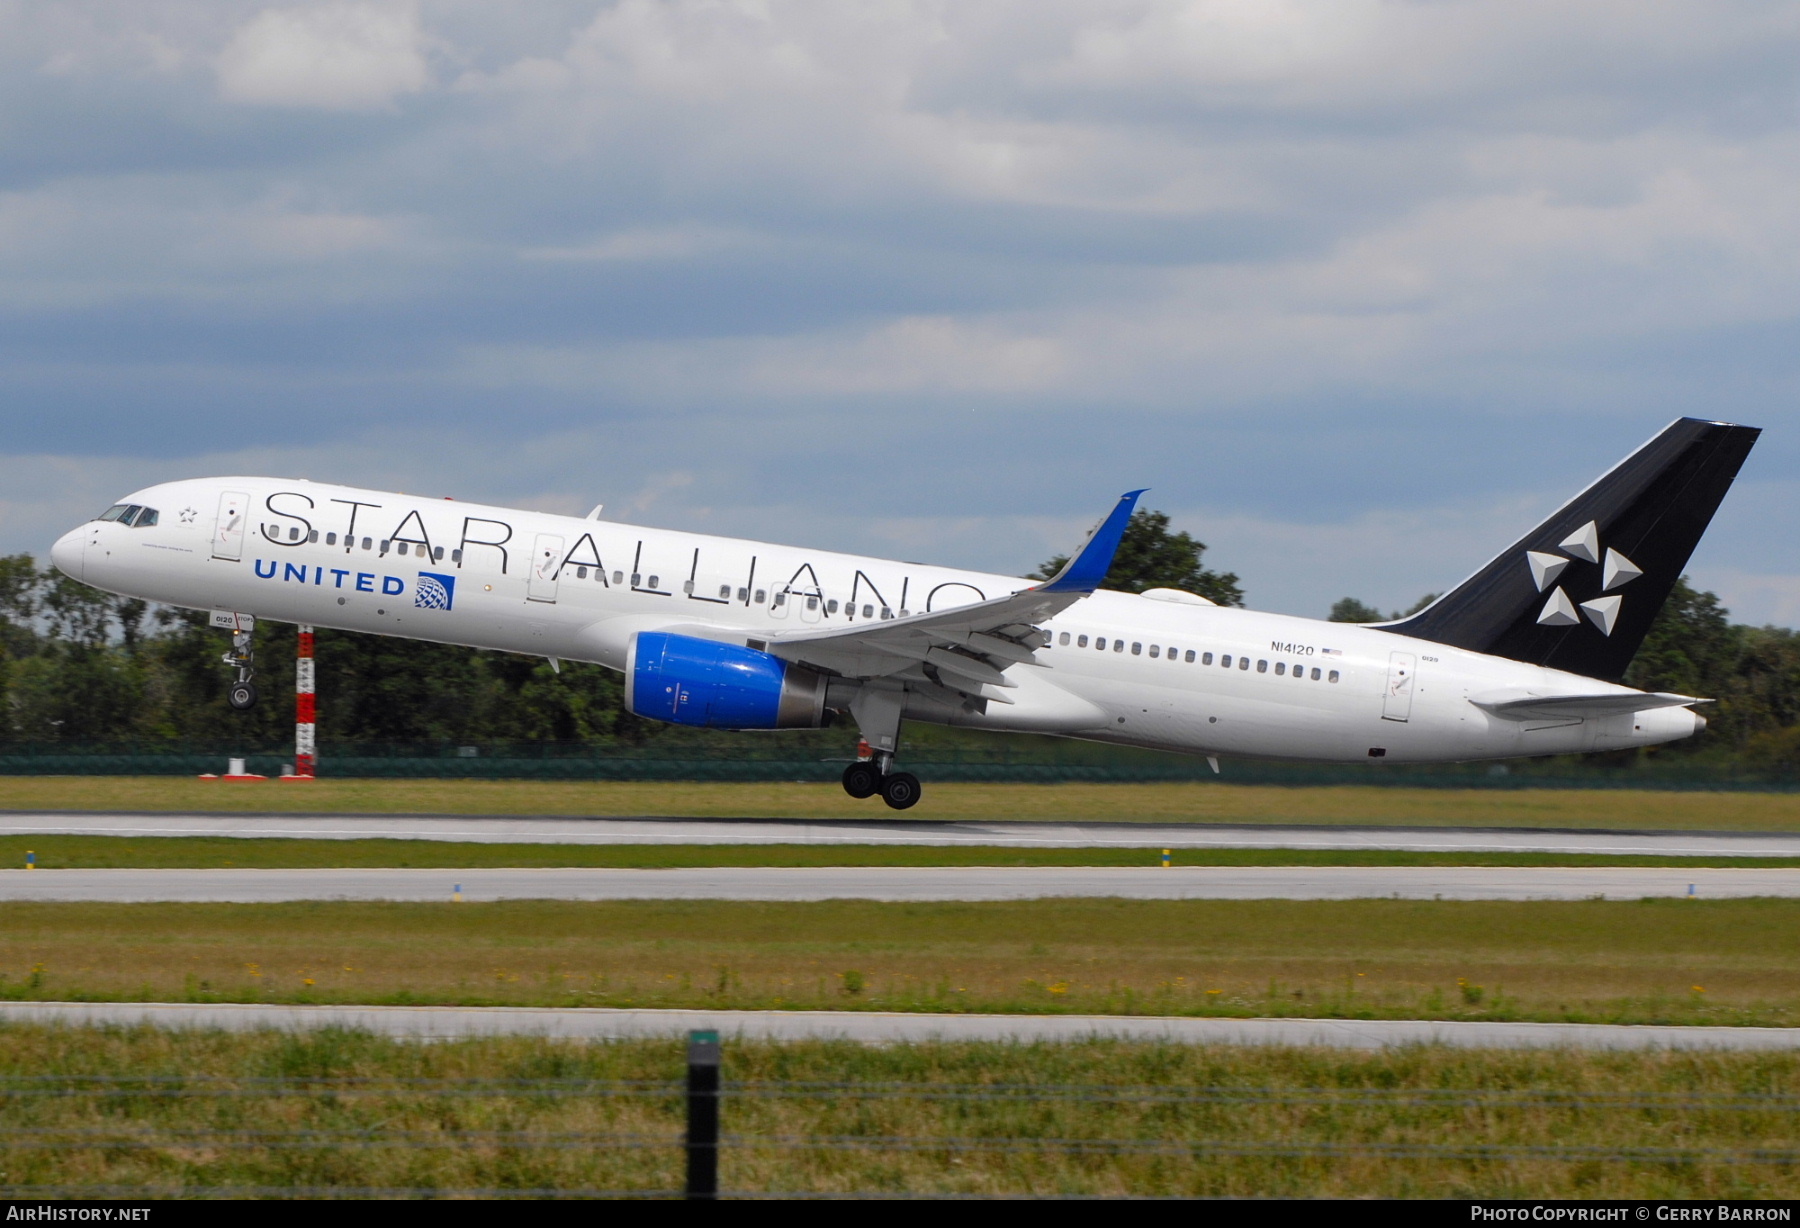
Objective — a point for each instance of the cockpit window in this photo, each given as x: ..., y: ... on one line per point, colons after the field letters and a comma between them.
x: 134, y: 514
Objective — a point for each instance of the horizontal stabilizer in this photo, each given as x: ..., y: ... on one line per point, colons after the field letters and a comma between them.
x: 1519, y: 705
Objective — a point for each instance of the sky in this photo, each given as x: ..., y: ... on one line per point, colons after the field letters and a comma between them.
x: 1359, y: 289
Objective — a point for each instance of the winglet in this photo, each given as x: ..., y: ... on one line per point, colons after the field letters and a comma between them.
x: 1083, y: 573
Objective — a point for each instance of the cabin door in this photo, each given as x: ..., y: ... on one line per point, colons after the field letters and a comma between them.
x: 1396, y: 702
x: 228, y: 534
x: 546, y: 561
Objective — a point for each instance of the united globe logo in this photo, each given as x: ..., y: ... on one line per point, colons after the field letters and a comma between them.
x: 435, y: 592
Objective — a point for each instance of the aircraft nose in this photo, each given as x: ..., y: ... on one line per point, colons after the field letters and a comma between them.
x: 69, y: 551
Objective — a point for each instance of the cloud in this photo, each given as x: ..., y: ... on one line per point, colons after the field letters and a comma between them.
x: 335, y: 57
x: 1332, y: 275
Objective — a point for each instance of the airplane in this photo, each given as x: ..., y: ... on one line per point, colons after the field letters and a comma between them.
x: 1522, y: 658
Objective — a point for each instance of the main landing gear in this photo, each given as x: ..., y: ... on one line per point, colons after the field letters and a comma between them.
x: 241, y: 695
x: 864, y: 778
x: 877, y: 708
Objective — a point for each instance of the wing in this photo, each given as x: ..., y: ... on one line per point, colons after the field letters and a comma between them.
x: 1524, y: 706
x: 967, y: 649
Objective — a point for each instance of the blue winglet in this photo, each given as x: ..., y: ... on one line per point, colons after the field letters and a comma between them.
x: 1083, y: 573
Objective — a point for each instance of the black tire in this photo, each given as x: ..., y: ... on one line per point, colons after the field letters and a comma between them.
x: 861, y: 779
x: 901, y: 790
x: 241, y: 696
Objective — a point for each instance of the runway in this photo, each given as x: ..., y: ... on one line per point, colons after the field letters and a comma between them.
x: 552, y: 829
x: 878, y: 1027
x: 899, y: 883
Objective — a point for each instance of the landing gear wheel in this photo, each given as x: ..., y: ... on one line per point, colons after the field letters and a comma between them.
x: 861, y: 779
x: 901, y: 790
x: 242, y: 696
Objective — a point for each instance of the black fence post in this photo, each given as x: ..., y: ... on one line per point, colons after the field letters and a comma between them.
x: 703, y: 1115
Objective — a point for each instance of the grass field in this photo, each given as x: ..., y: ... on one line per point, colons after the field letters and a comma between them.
x: 1655, y: 961
x: 335, y: 1113
x: 208, y: 852
x: 1203, y: 802
x: 124, y: 1111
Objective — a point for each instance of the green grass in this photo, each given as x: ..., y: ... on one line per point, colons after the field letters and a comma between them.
x: 343, y: 1111
x: 1654, y: 961
x: 218, y: 852
x: 1198, y: 802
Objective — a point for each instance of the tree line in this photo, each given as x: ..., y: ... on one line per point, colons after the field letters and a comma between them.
x: 81, y: 666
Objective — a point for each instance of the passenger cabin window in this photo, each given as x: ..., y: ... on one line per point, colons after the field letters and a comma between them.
x: 368, y: 543
x: 724, y: 592
x: 1118, y: 645
x: 812, y: 603
x: 1137, y: 649
x: 313, y: 536
x: 1243, y: 662
x: 1190, y: 657
x: 831, y: 607
x: 437, y: 555
x: 1156, y: 652
x: 655, y: 581
x: 456, y: 556
x: 760, y: 594
x: 1081, y: 641
x: 581, y: 573
x: 1100, y: 643
x: 403, y: 548
x: 868, y: 611
x: 743, y: 595
x: 1280, y: 668
x: 1332, y: 676
x: 618, y: 577
x: 1065, y: 639
x: 1225, y: 661
x: 888, y: 612
x: 331, y: 539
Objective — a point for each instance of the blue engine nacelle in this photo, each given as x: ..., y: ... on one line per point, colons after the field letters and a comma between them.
x: 690, y: 681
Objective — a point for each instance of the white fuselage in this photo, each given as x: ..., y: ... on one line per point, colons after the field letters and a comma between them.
x: 578, y: 590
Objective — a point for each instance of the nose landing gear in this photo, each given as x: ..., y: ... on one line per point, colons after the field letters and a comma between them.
x: 242, y: 657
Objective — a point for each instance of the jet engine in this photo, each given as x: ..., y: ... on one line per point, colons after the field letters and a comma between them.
x: 691, y: 681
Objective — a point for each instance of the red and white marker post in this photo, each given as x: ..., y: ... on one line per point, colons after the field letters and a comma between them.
x: 305, y: 709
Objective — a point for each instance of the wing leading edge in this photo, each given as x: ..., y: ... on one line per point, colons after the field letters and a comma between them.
x: 969, y: 648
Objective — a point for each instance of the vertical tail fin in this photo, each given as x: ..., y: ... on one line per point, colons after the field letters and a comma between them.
x: 1579, y: 592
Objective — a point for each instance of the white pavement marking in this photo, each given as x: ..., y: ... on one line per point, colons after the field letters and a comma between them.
x: 550, y: 829
x: 881, y: 1027
x: 901, y: 883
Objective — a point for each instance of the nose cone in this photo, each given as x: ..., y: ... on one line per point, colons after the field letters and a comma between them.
x: 69, y: 551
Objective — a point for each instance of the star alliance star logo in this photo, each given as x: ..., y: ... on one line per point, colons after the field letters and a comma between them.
x: 187, y: 514
x: 1583, y: 544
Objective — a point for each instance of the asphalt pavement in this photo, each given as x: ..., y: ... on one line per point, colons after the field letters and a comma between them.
x: 882, y: 1027
x: 900, y: 883
x: 555, y: 829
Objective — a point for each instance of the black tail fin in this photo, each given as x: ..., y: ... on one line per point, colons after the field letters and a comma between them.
x: 1578, y: 592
